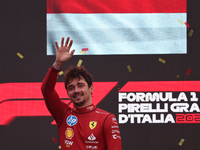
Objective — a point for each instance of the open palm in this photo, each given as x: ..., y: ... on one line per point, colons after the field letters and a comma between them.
x: 63, y: 53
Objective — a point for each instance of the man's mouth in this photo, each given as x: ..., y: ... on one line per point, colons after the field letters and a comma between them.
x: 77, y: 95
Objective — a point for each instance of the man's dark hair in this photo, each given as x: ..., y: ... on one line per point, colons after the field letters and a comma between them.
x: 77, y: 72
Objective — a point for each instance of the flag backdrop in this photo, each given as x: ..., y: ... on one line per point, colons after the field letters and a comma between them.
x: 109, y: 27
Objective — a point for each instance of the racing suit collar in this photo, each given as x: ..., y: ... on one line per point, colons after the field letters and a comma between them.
x: 84, y: 109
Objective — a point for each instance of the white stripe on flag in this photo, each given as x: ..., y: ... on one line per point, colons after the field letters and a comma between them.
x: 110, y: 34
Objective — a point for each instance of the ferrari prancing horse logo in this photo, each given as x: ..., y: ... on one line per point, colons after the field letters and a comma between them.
x: 92, y: 124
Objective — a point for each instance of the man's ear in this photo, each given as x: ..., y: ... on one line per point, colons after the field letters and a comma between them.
x: 91, y: 88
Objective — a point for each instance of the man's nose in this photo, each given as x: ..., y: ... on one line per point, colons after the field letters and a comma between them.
x: 76, y: 89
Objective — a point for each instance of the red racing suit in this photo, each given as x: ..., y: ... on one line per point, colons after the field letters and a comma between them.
x: 88, y: 128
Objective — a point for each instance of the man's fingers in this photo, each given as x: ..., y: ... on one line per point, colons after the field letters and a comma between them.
x: 72, y: 52
x: 66, y: 43
x: 62, y: 41
x: 56, y: 44
x: 70, y: 44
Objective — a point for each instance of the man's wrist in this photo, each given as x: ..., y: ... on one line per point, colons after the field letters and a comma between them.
x: 58, y: 65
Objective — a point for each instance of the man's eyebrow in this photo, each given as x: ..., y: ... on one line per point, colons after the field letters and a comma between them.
x: 70, y: 86
x: 80, y: 83
x: 77, y: 84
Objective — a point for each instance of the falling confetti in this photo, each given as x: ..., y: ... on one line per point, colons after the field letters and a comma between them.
x: 54, y: 139
x: 60, y: 73
x: 162, y: 60
x: 79, y: 62
x: 20, y: 55
x: 148, y: 98
x: 189, y: 71
x: 178, y: 76
x: 118, y: 87
x: 84, y: 49
x: 180, y: 21
x: 129, y: 68
x: 82, y: 52
x: 181, y: 142
x: 188, y: 26
x: 191, y: 33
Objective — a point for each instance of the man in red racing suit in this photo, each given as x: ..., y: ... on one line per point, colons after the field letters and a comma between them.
x: 84, y: 127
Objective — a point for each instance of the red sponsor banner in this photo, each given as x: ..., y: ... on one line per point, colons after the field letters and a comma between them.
x: 14, y: 99
x: 116, y: 6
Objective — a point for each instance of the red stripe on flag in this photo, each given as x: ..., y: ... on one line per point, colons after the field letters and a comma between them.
x: 117, y: 6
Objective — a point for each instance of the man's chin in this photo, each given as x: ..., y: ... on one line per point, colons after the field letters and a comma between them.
x: 79, y: 103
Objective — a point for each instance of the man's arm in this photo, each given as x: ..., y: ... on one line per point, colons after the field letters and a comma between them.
x: 52, y: 100
x: 112, y: 133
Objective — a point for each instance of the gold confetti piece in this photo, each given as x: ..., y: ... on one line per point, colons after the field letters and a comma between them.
x: 20, y: 55
x: 180, y: 21
x: 191, y: 33
x: 148, y: 98
x: 60, y: 73
x: 59, y: 147
x: 118, y: 87
x: 79, y: 62
x: 129, y: 68
x: 162, y: 60
x: 178, y: 76
x: 181, y: 142
x: 82, y: 52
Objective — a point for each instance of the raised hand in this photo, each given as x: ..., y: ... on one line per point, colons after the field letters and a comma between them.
x: 63, y: 54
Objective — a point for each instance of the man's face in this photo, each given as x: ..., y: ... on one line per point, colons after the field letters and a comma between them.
x: 79, y: 92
